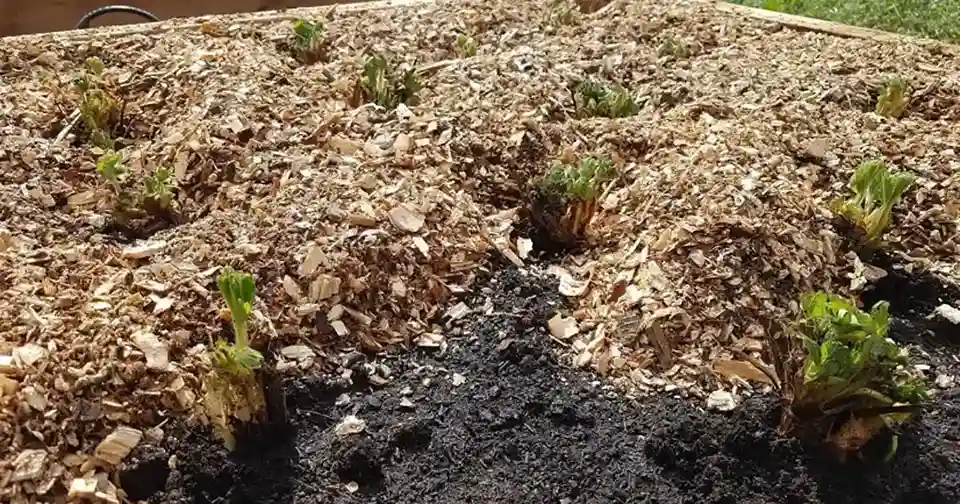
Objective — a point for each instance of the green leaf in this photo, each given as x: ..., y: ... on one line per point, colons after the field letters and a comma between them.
x: 307, y: 34
x: 892, y: 450
x: 382, y: 87
x: 850, y: 363
x: 158, y: 190
x: 465, y: 46
x: 894, y: 98
x: 235, y: 359
x: 876, y: 189
x: 238, y: 289
x: 600, y: 100
x: 248, y: 358
x: 94, y: 65
x: 110, y: 166
x: 410, y: 87
x: 81, y: 82
x: 581, y: 181
x: 591, y: 90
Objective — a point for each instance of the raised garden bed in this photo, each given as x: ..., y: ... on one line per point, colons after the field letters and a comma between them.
x: 399, y: 308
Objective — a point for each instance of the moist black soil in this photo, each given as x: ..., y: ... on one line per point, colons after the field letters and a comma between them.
x: 498, y: 420
x: 913, y: 298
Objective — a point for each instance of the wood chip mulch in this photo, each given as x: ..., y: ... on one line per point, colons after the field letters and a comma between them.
x: 359, y: 224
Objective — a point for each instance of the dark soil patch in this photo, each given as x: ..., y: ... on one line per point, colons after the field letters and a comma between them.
x: 913, y: 297
x: 129, y: 231
x: 520, y: 428
x: 500, y: 175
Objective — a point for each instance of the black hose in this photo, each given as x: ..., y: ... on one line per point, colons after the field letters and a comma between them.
x: 107, y: 9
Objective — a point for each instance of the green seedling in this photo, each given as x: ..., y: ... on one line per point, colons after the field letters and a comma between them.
x: 157, y: 194
x: 561, y: 12
x: 110, y: 166
x: 841, y: 376
x: 156, y: 197
x: 236, y: 359
x: 595, y: 99
x: 674, y: 47
x: 566, y: 198
x: 238, y: 290
x: 112, y: 169
x: 465, y: 46
x: 875, y: 190
x: 894, y: 98
x: 98, y: 108
x: 234, y: 391
x: 379, y: 84
x: 308, y: 40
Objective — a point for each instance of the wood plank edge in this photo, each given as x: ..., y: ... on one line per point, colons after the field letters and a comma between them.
x: 193, y: 23
x: 835, y: 28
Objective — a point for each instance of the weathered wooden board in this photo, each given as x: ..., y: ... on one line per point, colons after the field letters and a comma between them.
x: 195, y: 22
x: 833, y: 28
x: 31, y: 16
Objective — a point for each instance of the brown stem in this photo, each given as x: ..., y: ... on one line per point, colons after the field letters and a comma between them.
x: 591, y: 209
x: 770, y: 373
x: 574, y: 222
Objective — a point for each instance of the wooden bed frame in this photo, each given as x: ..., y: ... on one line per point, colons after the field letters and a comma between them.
x: 792, y: 21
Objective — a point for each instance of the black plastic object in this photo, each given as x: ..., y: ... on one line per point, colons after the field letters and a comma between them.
x: 107, y: 9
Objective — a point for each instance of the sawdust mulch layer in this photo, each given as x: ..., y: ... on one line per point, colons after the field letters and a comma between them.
x: 366, y: 227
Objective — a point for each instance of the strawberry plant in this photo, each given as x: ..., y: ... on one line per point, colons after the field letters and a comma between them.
x: 308, y: 40
x: 110, y: 166
x: 157, y: 196
x: 894, y: 97
x: 381, y: 84
x: 561, y: 12
x: 98, y: 107
x: 595, y: 99
x: 842, y: 379
x: 875, y: 190
x: 675, y: 48
x: 465, y: 46
x: 566, y: 198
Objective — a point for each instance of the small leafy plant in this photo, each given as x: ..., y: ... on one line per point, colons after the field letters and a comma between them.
x: 894, y: 97
x: 876, y: 189
x: 157, y: 194
x: 155, y: 198
x: 561, y: 12
x: 308, y: 40
x: 595, y: 99
x: 110, y: 166
x: 842, y: 379
x: 98, y: 107
x: 381, y: 85
x: 238, y: 290
x: 674, y: 47
x: 233, y: 391
x: 566, y: 198
x: 465, y: 46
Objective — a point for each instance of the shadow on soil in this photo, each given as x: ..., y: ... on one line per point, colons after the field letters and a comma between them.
x: 497, y: 420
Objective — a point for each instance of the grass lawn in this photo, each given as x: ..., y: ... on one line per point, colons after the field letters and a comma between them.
x: 939, y: 19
